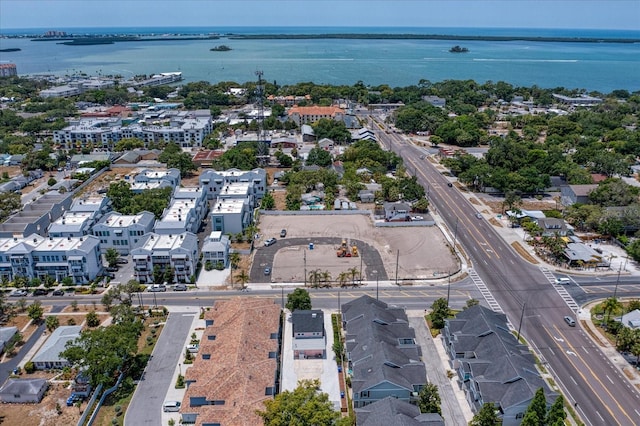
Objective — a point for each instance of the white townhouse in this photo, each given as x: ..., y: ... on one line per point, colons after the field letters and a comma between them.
x: 161, y: 252
x: 182, y: 215
x: 72, y: 224
x: 231, y: 216
x: 122, y: 232
x: 216, y: 249
x: 36, y: 256
x: 213, y: 181
x: 158, y: 175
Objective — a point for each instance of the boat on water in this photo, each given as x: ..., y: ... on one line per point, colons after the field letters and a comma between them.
x: 458, y: 49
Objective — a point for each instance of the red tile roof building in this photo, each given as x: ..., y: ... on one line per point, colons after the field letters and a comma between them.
x: 236, y: 366
x: 311, y: 114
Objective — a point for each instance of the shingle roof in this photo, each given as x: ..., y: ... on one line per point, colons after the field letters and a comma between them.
x: 391, y: 412
x: 307, y: 321
x: 23, y: 386
x: 50, y: 351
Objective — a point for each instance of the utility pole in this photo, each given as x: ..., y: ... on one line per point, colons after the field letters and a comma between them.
x: 448, y: 288
x: 397, y: 265
x: 305, y: 267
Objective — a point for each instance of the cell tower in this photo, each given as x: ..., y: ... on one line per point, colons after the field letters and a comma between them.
x: 263, y: 143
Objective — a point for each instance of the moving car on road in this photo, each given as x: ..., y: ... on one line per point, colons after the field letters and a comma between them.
x: 570, y: 321
x: 270, y: 242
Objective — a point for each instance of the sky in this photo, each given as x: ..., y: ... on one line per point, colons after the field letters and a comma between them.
x: 569, y: 14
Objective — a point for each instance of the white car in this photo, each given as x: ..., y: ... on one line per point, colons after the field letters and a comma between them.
x: 193, y: 348
x: 157, y: 288
x: 18, y: 293
x: 417, y: 218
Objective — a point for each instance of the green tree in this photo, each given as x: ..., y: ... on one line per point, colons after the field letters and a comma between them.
x: 531, y: 419
x: 35, y: 311
x: 92, y: 319
x: 537, y: 409
x: 305, y: 405
x: 487, y: 416
x: 52, y: 322
x: 243, y: 278
x: 610, y: 305
x: 439, y: 312
x: 299, y: 299
x: 127, y: 144
x: 52, y: 181
x: 104, y: 351
x: 429, y: 399
x: 112, y: 256
x: 268, y: 202
x: 319, y: 157
x: 9, y: 204
x: 556, y: 413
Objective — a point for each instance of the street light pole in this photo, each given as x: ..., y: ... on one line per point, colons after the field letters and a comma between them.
x: 376, y: 272
x: 448, y: 288
x: 521, y: 318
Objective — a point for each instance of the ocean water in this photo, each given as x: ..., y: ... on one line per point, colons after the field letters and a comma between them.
x: 602, y: 66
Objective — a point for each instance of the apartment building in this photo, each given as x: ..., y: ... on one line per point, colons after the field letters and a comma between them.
x: 311, y: 114
x: 182, y: 215
x: 149, y: 176
x: 213, y: 181
x: 231, y: 216
x: 177, y: 253
x: 79, y: 220
x: 36, y: 256
x: 122, y: 232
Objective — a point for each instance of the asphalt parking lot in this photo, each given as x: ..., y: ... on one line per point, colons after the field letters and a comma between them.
x: 420, y: 253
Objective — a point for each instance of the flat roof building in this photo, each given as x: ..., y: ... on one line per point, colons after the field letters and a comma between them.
x: 122, y: 232
x: 175, y: 252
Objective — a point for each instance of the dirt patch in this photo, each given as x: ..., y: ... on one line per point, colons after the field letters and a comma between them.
x: 495, y: 222
x: 19, y: 321
x: 474, y: 201
x: 526, y: 204
x: 110, y: 176
x: 524, y: 253
x: 82, y: 309
x: 423, y: 251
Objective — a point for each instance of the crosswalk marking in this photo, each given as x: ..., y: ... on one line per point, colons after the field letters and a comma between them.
x: 491, y: 301
x: 562, y: 291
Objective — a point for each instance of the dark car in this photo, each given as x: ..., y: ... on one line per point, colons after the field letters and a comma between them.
x: 58, y: 292
x: 180, y: 287
x: 39, y: 292
x: 112, y: 269
x: 283, y: 233
x: 122, y: 261
x: 449, y: 184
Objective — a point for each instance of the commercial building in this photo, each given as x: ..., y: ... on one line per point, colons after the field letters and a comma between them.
x: 122, y: 232
x: 310, y: 114
x: 177, y: 253
x: 8, y: 70
x: 36, y: 257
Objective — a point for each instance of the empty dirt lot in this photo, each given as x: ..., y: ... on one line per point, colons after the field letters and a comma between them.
x: 423, y: 250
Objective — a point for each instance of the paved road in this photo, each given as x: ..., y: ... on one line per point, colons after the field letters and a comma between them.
x: 146, y: 405
x: 521, y: 289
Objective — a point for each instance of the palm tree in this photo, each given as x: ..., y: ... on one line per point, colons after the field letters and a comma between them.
x: 326, y: 278
x: 343, y: 278
x: 242, y: 277
x: 234, y: 258
x: 354, y: 273
x: 610, y: 305
x: 314, y: 278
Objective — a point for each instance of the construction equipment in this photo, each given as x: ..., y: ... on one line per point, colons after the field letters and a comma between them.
x: 345, y: 251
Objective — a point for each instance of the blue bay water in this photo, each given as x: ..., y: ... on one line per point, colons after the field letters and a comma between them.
x: 591, y: 66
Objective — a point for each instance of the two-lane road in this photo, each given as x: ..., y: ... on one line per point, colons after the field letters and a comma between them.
x: 523, y: 291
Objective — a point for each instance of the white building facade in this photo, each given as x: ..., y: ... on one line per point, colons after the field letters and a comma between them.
x: 122, y: 232
x: 176, y: 253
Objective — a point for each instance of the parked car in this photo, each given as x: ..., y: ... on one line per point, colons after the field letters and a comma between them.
x: 170, y: 406
x: 267, y: 271
x: 109, y: 275
x: 58, y: 292
x: 283, y: 233
x: 449, y: 184
x: 570, y: 321
x: 112, y: 268
x: 157, y: 288
x: 73, y: 398
x: 417, y: 218
x: 122, y: 261
x: 270, y: 242
x: 193, y: 348
x: 180, y: 287
x: 39, y: 292
x: 479, y: 215
x: 18, y: 293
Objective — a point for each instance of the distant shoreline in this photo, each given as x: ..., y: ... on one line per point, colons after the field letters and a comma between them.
x: 102, y: 39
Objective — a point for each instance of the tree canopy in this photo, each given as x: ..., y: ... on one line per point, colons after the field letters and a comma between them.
x: 299, y: 299
x: 304, y: 406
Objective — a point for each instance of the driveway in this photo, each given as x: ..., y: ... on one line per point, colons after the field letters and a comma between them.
x: 146, y: 404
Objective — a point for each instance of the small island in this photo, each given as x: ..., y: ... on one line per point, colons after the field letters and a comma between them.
x: 11, y: 49
x: 221, y: 48
x: 458, y: 49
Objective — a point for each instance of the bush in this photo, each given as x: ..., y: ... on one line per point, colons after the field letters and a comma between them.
x: 29, y: 367
x: 118, y: 409
x: 208, y: 265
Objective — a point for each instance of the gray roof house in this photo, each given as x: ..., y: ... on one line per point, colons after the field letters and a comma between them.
x: 6, y: 334
x: 309, y: 340
x: 397, y: 212
x: 492, y: 366
x: 23, y: 390
x: 393, y: 412
x: 48, y: 357
x: 572, y: 194
x: 381, y: 352
x: 631, y: 319
x: 552, y: 226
